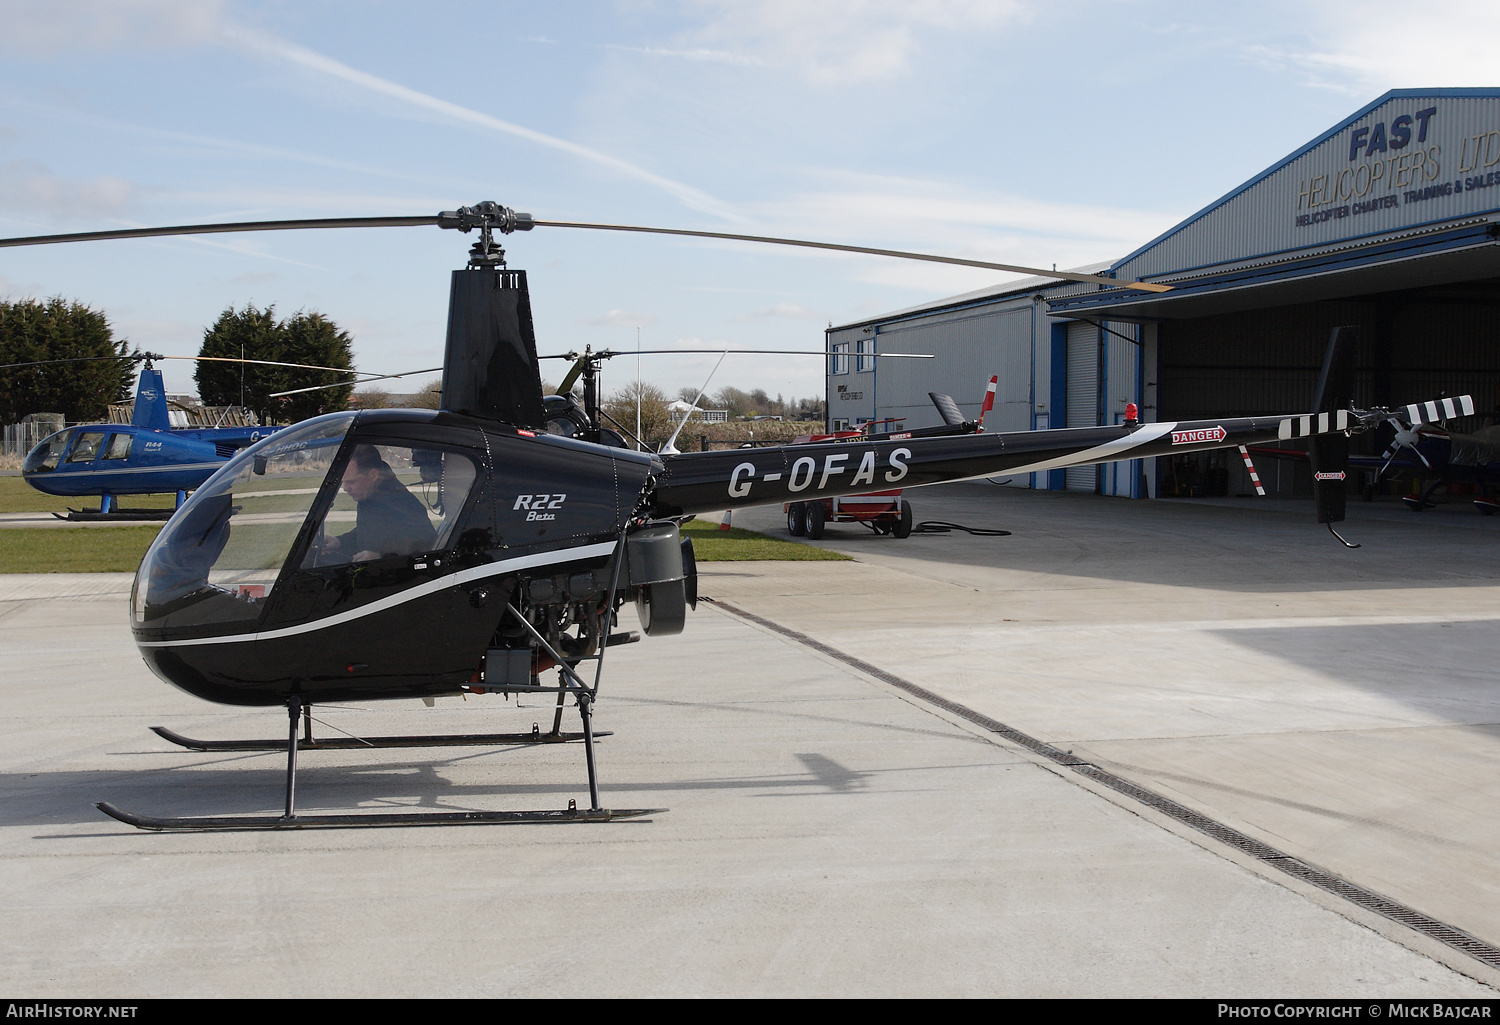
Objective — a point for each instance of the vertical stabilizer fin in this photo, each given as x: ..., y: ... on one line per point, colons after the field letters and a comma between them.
x: 490, y: 369
x: 947, y: 408
x: 151, y: 402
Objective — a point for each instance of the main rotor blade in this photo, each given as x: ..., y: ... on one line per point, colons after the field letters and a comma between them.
x: 368, y: 380
x: 153, y: 357
x: 610, y: 354
x: 572, y: 376
x: 410, y: 222
x: 217, y: 229
x: 1144, y: 286
x: 75, y: 359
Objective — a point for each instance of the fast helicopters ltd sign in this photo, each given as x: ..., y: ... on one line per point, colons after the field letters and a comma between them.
x: 1409, y: 162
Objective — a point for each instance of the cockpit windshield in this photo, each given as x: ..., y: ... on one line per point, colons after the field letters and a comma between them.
x: 216, y: 561
x: 45, y: 456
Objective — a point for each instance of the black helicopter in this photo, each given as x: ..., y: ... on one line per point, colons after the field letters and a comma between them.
x: 416, y: 553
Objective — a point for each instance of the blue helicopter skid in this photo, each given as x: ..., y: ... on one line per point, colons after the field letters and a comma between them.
x: 119, y: 515
x: 372, y: 819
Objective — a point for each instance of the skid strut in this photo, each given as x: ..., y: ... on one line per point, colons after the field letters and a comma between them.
x: 296, y: 710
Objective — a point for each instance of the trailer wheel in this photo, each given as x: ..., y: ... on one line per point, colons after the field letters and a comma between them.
x: 903, y: 525
x: 796, y: 519
x: 815, y: 520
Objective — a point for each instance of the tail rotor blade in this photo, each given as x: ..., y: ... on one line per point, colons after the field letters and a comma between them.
x: 989, y: 398
x: 1250, y: 466
x: 1438, y: 410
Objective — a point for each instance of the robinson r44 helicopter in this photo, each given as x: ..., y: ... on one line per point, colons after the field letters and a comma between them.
x: 145, y: 457
x: 403, y: 553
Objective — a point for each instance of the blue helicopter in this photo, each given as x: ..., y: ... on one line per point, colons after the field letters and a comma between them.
x: 145, y: 457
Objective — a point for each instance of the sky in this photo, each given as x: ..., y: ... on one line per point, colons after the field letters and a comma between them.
x: 1005, y: 130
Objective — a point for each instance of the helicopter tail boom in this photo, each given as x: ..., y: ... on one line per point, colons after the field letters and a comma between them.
x: 700, y: 482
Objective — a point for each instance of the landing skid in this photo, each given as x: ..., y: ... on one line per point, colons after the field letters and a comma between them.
x: 371, y: 819
x: 122, y: 515
x: 291, y: 820
x: 536, y: 736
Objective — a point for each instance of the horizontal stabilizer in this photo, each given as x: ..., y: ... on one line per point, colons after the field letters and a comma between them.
x: 947, y: 408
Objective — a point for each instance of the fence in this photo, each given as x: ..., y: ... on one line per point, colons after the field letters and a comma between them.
x: 21, y: 438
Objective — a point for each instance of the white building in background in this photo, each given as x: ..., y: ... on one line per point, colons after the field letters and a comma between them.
x: 680, y: 410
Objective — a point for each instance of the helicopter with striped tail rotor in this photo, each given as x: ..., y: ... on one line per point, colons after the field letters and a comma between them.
x: 482, y: 547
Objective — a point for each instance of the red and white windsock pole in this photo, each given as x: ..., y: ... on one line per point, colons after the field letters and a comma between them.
x: 1254, y: 477
x: 989, y: 401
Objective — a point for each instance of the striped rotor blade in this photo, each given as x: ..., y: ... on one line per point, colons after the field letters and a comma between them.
x: 1438, y: 410
x: 1314, y: 423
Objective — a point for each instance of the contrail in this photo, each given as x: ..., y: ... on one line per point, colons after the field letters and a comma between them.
x: 696, y: 199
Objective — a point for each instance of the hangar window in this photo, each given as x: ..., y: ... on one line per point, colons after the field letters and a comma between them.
x: 864, y: 358
x: 839, y: 363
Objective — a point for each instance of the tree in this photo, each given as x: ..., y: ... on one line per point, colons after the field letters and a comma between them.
x: 31, y: 330
x: 656, y: 425
x: 738, y: 403
x: 430, y: 396
x: 307, y: 338
x: 372, y: 398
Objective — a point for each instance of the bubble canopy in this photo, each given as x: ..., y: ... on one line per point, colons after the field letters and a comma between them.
x: 215, y: 563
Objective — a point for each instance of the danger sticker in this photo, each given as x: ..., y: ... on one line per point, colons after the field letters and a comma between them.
x: 1199, y: 436
x: 1329, y: 475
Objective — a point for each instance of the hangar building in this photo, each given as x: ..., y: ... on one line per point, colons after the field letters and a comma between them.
x: 1390, y: 220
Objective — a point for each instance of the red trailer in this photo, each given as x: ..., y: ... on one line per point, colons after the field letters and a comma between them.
x: 884, y: 512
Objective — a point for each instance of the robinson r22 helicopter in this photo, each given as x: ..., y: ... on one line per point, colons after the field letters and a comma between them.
x: 417, y: 553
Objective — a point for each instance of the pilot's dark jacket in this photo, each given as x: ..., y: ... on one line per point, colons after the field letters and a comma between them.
x: 391, y: 521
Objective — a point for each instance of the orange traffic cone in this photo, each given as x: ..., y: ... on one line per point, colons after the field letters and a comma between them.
x: 724, y: 524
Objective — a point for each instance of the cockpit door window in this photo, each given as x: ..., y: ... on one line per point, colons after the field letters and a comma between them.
x: 394, y: 501
x: 86, y: 447
x: 119, y: 446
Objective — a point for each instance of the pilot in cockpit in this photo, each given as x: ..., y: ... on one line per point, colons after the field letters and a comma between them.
x: 388, y: 521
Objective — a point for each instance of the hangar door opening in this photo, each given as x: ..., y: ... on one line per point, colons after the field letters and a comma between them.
x: 1414, y: 345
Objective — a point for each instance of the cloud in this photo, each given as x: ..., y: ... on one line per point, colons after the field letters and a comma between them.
x: 855, y: 205
x: 840, y: 42
x: 28, y: 186
x: 45, y: 27
x: 269, y: 45
x: 700, y: 54
x: 779, y: 310
x: 624, y: 318
x: 1350, y: 46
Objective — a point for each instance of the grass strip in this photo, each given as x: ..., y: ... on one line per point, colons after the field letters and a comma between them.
x: 74, y: 549
x: 710, y: 544
x: 18, y: 496
x: 119, y: 549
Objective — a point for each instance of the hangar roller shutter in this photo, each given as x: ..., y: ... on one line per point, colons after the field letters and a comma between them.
x: 1083, y: 394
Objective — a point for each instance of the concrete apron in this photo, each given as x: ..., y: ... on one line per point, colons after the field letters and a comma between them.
x: 828, y: 835
x: 1338, y: 705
